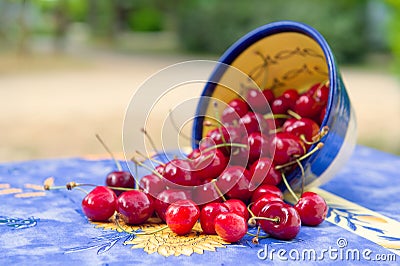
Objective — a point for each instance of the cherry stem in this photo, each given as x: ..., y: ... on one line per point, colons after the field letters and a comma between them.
x: 276, y: 130
x: 303, y: 176
x: 322, y: 133
x: 288, y: 187
x: 119, y: 167
x: 238, y: 145
x: 318, y: 147
x: 136, y: 176
x: 275, y: 219
x: 150, y: 158
x: 74, y: 185
x: 218, y: 190
x: 294, y: 114
x: 153, y: 145
x: 133, y: 159
x: 137, y: 234
x: 276, y: 116
x: 175, y: 126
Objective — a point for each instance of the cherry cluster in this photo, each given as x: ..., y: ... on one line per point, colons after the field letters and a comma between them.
x: 231, y: 181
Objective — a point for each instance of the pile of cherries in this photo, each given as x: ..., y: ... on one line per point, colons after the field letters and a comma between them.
x: 231, y: 181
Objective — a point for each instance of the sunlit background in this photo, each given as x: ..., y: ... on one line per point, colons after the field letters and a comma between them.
x: 68, y: 68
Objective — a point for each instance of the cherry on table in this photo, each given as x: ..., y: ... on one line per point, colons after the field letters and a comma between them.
x: 99, y: 204
x: 181, y: 216
x: 122, y: 179
x: 135, y: 206
x: 208, y: 214
x: 263, y: 171
x: 262, y: 201
x: 288, y: 221
x: 166, y: 197
x: 237, y: 206
x: 210, y: 164
x: 312, y: 208
x: 179, y: 172
x: 266, y: 189
x: 230, y: 226
x: 152, y: 185
x: 234, y: 182
x: 206, y: 193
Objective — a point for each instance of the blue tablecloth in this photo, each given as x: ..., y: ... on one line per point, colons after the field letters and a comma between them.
x: 38, y: 227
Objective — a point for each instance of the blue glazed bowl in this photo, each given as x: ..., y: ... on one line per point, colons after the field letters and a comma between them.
x: 282, y: 55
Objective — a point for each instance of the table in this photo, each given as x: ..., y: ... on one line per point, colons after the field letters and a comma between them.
x: 38, y: 227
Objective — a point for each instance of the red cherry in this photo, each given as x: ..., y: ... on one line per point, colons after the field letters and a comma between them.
x: 322, y: 115
x: 258, y: 144
x: 266, y: 189
x: 269, y: 95
x: 234, y: 111
x: 291, y: 95
x: 230, y: 226
x: 221, y: 135
x: 159, y: 169
x: 206, y: 193
x: 208, y: 214
x: 321, y: 95
x: 312, y: 208
x: 165, y: 198
x: 306, y: 106
x: 263, y: 171
x: 303, y: 126
x: 238, y: 207
x: 280, y: 105
x: 253, y: 122
x: 287, y: 147
x: 262, y: 201
x: 256, y: 100
x: 209, y: 164
x: 99, y: 204
x: 120, y: 179
x: 152, y: 185
x: 234, y: 181
x: 179, y: 172
x: 288, y: 225
x: 135, y: 206
x: 181, y: 216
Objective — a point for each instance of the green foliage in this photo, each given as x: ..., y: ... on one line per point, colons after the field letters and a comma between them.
x: 212, y: 26
x: 145, y: 19
x: 394, y: 31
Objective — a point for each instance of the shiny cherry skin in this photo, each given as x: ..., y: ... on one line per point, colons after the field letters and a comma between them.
x: 289, y: 222
x: 208, y: 214
x: 257, y: 101
x: 135, y: 206
x: 303, y: 126
x: 152, y: 185
x: 159, y: 169
x: 231, y: 227
x: 291, y: 95
x: 210, y: 164
x: 312, y: 209
x: 307, y: 106
x: 280, y: 105
x: 179, y: 172
x: 269, y: 95
x: 99, y: 204
x: 120, y: 179
x: 262, y: 201
x: 258, y: 146
x: 253, y: 122
x: 221, y: 135
x: 287, y: 147
x: 266, y: 189
x: 234, y: 111
x: 206, y: 193
x: 181, y: 216
x: 320, y: 93
x: 263, y: 171
x: 238, y: 207
x: 165, y: 198
x: 322, y: 115
x: 234, y: 182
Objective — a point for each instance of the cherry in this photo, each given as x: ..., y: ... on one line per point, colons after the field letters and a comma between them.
x: 208, y: 214
x: 266, y: 189
x: 288, y: 221
x: 322, y: 115
x: 320, y: 93
x: 312, y: 208
x: 179, y: 172
x: 258, y: 144
x: 303, y: 126
x: 231, y: 227
x: 263, y: 171
x: 160, y: 169
x: 99, y: 204
x: 234, y: 181
x: 181, y: 216
x: 291, y: 95
x: 135, y: 206
x: 209, y: 164
x: 306, y: 106
x: 234, y: 111
x: 238, y: 207
x: 253, y: 122
x: 165, y: 198
x: 262, y: 201
x: 122, y: 179
x: 287, y: 147
x: 152, y: 185
x: 269, y: 95
x: 206, y: 193
x: 257, y: 101
x: 221, y: 135
x: 280, y: 105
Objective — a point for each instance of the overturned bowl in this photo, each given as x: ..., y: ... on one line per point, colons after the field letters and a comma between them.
x: 283, y: 55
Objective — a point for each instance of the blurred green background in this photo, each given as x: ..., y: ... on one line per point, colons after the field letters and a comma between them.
x: 40, y: 39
